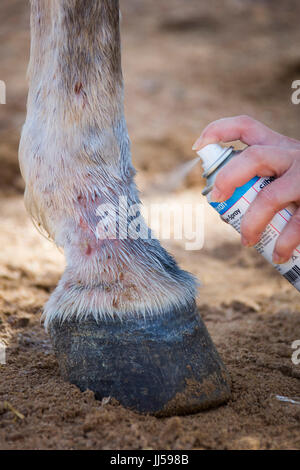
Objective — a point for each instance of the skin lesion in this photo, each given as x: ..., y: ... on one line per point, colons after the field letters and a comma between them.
x: 78, y: 88
x: 88, y: 250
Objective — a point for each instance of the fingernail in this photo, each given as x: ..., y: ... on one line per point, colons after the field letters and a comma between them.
x: 216, y: 195
x: 279, y: 259
x: 195, y: 146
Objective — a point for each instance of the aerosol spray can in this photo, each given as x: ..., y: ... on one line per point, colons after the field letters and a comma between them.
x: 214, y: 157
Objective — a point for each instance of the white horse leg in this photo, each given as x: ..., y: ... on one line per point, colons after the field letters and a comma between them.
x: 122, y: 318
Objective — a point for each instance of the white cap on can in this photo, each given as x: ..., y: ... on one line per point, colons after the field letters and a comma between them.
x: 211, y: 154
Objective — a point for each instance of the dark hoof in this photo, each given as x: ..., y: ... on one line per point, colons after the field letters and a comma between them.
x: 165, y: 365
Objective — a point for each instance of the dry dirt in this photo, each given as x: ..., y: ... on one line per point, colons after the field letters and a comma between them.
x: 185, y: 64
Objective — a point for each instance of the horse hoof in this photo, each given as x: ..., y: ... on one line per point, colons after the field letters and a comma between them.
x: 165, y: 365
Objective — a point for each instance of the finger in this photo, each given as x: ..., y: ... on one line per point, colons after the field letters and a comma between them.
x: 258, y: 160
x: 274, y: 197
x: 243, y: 128
x: 288, y: 240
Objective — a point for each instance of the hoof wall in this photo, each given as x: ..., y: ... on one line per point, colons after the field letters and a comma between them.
x: 164, y: 365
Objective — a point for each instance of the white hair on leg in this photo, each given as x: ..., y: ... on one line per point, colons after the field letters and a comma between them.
x: 75, y: 156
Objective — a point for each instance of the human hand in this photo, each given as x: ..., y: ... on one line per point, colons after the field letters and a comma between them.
x: 269, y: 154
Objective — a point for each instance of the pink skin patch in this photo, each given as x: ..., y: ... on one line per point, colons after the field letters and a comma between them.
x: 93, y: 240
x: 83, y: 224
x: 88, y: 250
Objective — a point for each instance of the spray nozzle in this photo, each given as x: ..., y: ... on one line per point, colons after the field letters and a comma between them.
x: 212, y: 156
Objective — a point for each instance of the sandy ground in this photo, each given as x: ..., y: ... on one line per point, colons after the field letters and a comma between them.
x: 185, y: 64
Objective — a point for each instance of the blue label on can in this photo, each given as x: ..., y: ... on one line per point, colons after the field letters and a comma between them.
x: 222, y: 207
